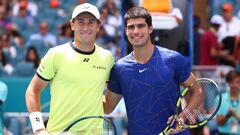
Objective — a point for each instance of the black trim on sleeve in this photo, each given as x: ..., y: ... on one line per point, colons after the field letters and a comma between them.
x: 41, y: 77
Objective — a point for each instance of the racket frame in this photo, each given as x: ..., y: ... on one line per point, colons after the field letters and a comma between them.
x: 165, y: 131
x: 93, y: 117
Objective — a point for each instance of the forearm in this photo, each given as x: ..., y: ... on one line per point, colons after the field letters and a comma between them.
x: 33, y: 93
x: 221, y: 120
x: 35, y: 116
x: 33, y: 104
x: 106, y: 106
x: 32, y: 101
x: 110, y: 101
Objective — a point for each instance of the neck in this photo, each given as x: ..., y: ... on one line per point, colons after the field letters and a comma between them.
x: 234, y: 94
x: 83, y: 47
x: 144, y: 53
x: 228, y: 19
x: 212, y: 29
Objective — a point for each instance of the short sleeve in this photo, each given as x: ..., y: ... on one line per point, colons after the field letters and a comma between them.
x: 114, y: 84
x: 111, y: 63
x: 181, y: 67
x: 46, y: 69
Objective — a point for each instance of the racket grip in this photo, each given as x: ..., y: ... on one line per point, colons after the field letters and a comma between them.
x: 162, y: 133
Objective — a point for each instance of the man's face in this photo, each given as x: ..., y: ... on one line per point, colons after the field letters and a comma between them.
x: 235, y: 84
x: 43, y: 28
x: 138, y: 32
x: 85, y: 27
x: 227, y: 15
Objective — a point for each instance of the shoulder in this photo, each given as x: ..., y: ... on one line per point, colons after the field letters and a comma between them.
x: 126, y: 59
x: 101, y: 50
x: 236, y: 19
x: 103, y: 54
x: 60, y: 49
x: 167, y: 53
x: 163, y: 49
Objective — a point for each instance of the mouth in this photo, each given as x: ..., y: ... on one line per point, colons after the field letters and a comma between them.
x: 136, y: 37
x: 85, y: 35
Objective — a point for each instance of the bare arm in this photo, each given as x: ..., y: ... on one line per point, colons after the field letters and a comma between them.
x: 186, y: 83
x: 33, y: 94
x: 190, y: 80
x: 110, y: 101
x: 222, y: 119
x: 33, y: 99
x: 194, y: 96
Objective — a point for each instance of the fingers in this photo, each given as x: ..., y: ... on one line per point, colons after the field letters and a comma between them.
x: 41, y: 132
x: 169, y: 119
x: 179, y: 127
x: 174, y: 131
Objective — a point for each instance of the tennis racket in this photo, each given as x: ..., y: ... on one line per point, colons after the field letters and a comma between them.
x: 197, y: 105
x: 91, y: 125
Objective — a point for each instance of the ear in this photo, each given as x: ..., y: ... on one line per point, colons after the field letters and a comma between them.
x: 99, y: 26
x: 72, y: 24
x: 150, y: 29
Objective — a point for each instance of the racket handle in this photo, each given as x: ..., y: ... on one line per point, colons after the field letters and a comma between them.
x: 162, y: 133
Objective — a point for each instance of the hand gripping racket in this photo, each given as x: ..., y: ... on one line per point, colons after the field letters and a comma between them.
x: 197, y: 105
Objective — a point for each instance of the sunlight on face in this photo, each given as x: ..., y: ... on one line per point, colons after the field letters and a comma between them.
x: 85, y: 27
x: 138, y: 32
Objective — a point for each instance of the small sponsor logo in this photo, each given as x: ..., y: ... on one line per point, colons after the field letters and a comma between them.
x: 140, y: 71
x: 37, y: 119
x: 99, y: 67
x: 86, y: 59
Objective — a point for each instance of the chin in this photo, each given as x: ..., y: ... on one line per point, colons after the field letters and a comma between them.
x: 138, y: 45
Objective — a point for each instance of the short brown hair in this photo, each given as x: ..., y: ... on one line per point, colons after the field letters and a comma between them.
x: 231, y: 75
x: 138, y: 12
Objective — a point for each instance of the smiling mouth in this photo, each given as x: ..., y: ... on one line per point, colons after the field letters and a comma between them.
x: 136, y: 38
x: 85, y: 33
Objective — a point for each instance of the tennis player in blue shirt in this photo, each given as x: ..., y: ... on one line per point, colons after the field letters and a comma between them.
x: 148, y: 78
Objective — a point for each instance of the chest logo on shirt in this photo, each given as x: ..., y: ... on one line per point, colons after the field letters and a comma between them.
x: 86, y: 59
x: 140, y: 71
x: 99, y: 67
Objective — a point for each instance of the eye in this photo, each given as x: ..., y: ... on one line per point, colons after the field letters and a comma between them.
x: 80, y: 22
x: 141, y: 26
x: 130, y: 27
x: 91, y: 22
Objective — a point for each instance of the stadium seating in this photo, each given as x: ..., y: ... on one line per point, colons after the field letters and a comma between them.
x: 164, y: 15
x: 25, y: 69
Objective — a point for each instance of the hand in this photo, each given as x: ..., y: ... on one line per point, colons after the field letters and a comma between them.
x: 179, y: 124
x: 175, y: 131
x: 41, y: 132
x: 224, y: 53
x: 231, y: 112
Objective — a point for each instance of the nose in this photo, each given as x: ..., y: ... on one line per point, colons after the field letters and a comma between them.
x: 135, y: 30
x: 85, y: 26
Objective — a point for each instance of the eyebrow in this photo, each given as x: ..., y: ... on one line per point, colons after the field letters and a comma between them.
x: 137, y: 25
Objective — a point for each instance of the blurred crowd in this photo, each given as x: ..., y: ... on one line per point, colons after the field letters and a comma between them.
x: 219, y: 44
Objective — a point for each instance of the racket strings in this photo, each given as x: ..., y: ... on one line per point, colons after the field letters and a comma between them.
x: 198, y: 106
